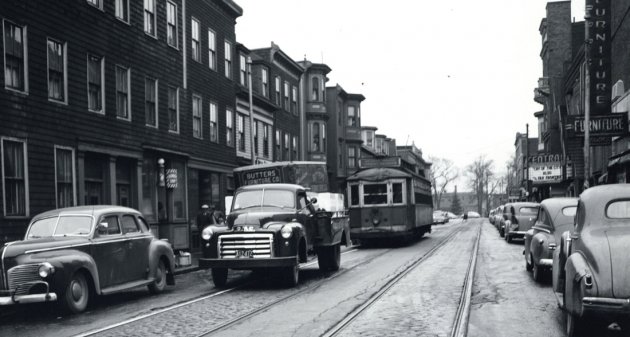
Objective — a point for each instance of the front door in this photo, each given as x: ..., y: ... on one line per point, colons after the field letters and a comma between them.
x: 109, y: 251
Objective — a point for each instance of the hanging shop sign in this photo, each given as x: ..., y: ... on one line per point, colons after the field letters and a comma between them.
x: 611, y: 125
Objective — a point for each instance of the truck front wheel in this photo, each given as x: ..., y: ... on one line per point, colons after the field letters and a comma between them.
x: 329, y: 258
x: 219, y: 277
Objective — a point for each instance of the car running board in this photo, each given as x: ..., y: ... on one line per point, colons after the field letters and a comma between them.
x: 125, y: 286
x: 560, y: 299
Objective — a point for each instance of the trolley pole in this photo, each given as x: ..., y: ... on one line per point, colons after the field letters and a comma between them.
x: 527, y: 160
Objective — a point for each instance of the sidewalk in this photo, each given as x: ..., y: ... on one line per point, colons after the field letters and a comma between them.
x: 194, y: 264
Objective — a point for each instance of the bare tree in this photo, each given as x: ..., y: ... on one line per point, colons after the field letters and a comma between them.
x: 443, y: 172
x: 479, y: 174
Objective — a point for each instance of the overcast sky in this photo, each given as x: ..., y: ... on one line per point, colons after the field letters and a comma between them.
x: 456, y: 77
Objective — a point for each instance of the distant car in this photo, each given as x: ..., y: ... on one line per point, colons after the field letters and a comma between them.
x: 498, y: 216
x: 70, y: 253
x: 555, y: 216
x: 520, y: 218
x: 451, y: 215
x: 491, y: 216
x: 472, y: 214
x: 439, y: 217
x: 590, y: 266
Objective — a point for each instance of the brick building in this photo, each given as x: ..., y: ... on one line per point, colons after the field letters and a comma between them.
x: 117, y: 102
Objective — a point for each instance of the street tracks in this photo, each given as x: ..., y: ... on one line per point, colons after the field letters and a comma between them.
x: 459, y: 326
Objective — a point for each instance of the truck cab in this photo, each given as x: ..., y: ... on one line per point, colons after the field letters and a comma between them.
x: 273, y: 226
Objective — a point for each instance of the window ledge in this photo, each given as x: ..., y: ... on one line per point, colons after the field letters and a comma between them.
x: 52, y: 100
x: 17, y: 91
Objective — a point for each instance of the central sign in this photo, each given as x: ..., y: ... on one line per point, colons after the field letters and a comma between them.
x: 545, y: 173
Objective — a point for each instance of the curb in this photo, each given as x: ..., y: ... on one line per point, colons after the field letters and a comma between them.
x: 185, y: 270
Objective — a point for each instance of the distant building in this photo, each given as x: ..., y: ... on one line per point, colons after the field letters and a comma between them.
x: 316, y: 116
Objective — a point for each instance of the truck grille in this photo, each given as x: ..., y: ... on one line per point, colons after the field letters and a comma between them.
x: 20, y: 275
x: 235, y: 245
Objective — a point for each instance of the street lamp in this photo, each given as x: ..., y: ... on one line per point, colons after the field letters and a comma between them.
x: 251, y: 107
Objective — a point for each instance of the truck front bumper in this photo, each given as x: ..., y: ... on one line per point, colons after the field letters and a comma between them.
x: 248, y: 263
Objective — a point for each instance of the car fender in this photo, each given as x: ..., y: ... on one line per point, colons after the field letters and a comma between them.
x: 299, y: 234
x: 527, y: 245
x: 578, y: 274
x: 559, y: 261
x: 66, y: 263
x: 157, y: 250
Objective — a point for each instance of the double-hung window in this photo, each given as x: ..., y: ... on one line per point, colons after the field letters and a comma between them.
x: 294, y: 99
x: 15, y: 57
x: 171, y: 24
x: 229, y: 127
x: 57, y: 71
x: 122, y: 10
x: 150, y: 102
x: 264, y: 74
x: 96, y: 83
x: 286, y: 154
x: 294, y: 147
x: 96, y: 3
x: 352, y: 117
x: 196, y: 43
x: 197, y: 119
x: 287, y: 93
x: 240, y: 134
x: 212, y: 50
x: 149, y: 17
x: 352, y: 157
x: 266, y: 140
x: 228, y: 59
x: 277, y: 88
x: 243, y: 70
x: 173, y: 109
x: 123, y: 103
x: 214, y: 123
x: 278, y: 146
x: 64, y: 177
x: 14, y: 177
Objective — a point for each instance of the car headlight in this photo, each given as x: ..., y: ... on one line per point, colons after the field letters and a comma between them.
x: 45, y: 269
x: 286, y: 231
x: 206, y: 234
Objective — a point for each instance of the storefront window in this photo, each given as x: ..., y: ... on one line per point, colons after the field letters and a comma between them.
x: 149, y: 188
x: 178, y: 193
x: 94, y: 179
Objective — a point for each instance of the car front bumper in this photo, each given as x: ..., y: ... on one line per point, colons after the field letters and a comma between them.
x: 599, y: 305
x: 23, y: 299
x: 248, y: 263
x: 516, y: 234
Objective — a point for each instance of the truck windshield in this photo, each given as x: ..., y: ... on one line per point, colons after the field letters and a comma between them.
x: 264, y: 198
x: 61, y: 226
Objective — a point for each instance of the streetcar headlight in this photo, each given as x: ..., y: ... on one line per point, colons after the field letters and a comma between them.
x: 45, y: 269
x: 206, y: 234
x: 376, y: 221
x: 286, y: 231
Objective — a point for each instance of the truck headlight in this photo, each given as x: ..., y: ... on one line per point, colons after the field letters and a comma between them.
x: 206, y: 234
x: 286, y: 231
x: 45, y: 269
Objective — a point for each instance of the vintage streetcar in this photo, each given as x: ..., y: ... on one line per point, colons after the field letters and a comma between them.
x: 389, y: 201
x: 69, y: 254
x: 276, y: 225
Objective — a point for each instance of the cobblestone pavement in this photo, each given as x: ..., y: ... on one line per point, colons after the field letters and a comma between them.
x: 424, y: 302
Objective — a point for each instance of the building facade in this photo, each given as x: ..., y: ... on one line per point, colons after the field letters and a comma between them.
x: 127, y: 103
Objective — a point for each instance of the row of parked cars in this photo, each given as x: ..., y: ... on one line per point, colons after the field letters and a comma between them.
x: 582, y: 245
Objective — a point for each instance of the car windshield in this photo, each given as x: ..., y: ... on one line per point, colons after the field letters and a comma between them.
x: 264, y: 198
x: 70, y: 225
x: 528, y: 210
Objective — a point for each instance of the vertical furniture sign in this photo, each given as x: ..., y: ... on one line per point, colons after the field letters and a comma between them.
x: 598, y: 26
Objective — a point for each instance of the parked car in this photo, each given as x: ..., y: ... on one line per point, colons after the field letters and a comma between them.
x: 521, y: 217
x: 451, y: 215
x: 590, y: 266
x: 498, y: 215
x: 70, y: 253
x: 440, y: 217
x: 491, y: 216
x: 555, y: 216
x: 505, y: 216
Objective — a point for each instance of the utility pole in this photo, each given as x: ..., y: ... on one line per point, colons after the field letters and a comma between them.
x: 251, y: 108
x: 587, y: 97
x: 527, y: 161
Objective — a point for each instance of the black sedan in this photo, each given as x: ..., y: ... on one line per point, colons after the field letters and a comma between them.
x: 555, y: 216
x: 69, y: 253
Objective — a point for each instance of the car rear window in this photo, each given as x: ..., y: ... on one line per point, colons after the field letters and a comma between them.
x: 569, y: 211
x: 618, y: 209
x: 528, y: 210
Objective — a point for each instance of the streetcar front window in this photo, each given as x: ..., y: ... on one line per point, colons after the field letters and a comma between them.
x: 375, y: 194
x: 397, y: 190
x: 354, y: 195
